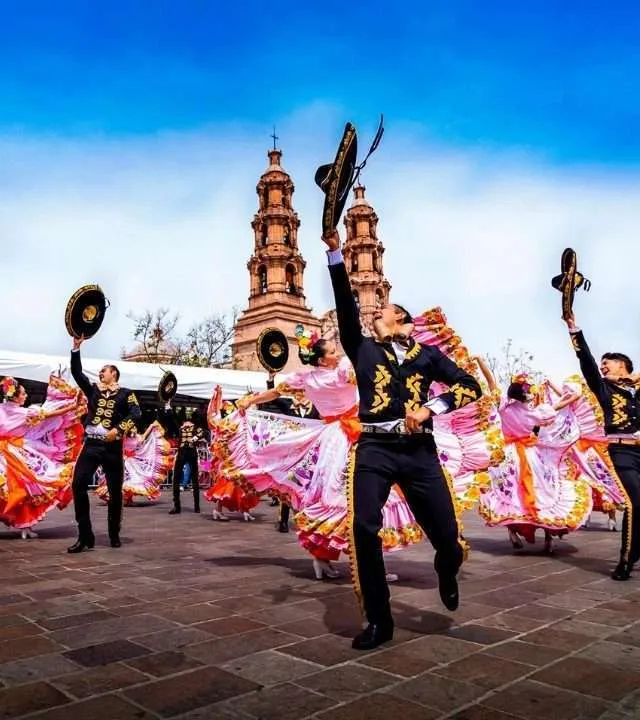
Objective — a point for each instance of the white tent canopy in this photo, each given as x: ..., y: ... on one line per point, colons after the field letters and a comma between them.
x: 194, y: 382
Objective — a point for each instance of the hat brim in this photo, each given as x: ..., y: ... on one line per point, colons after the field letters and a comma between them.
x: 335, y: 180
x: 167, y: 387
x: 272, y: 348
x: 85, y: 311
x: 568, y: 280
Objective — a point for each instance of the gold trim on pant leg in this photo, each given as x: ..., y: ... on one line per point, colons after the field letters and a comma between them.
x: 625, y: 552
x: 353, y: 559
x: 466, y: 547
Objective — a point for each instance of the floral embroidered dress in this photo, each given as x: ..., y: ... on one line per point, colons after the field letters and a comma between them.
x: 147, y: 460
x: 537, y: 485
x: 304, y: 461
x: 38, y: 447
x: 589, y: 449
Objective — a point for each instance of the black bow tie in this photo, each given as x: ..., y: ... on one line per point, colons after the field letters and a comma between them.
x: 401, y: 340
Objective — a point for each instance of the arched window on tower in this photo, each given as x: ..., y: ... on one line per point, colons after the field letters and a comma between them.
x: 354, y: 262
x: 286, y: 236
x: 376, y: 261
x: 379, y: 298
x: 264, y: 236
x: 356, y: 297
x: 262, y: 279
x: 290, y: 280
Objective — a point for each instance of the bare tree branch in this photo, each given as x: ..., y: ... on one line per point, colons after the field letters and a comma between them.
x: 510, y: 363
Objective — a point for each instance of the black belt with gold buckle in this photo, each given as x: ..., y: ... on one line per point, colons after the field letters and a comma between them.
x: 398, y: 429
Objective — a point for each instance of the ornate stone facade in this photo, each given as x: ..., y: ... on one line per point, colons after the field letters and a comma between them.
x: 276, y: 271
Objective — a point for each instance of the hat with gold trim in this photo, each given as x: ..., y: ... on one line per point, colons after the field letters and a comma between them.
x: 167, y: 387
x: 336, y: 179
x: 85, y: 311
x: 273, y: 349
x: 569, y: 281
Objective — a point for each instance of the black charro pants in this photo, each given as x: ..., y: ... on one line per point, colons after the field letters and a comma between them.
x: 285, y: 511
x: 186, y: 456
x: 95, y: 454
x: 412, y: 463
x: 626, y: 460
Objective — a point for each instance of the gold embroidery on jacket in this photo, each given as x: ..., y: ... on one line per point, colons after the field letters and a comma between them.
x: 380, y: 384
x: 462, y: 396
x: 413, y: 353
x: 619, y: 404
x: 413, y: 383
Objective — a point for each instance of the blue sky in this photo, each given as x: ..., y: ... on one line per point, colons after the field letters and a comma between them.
x: 136, y: 134
x: 560, y: 79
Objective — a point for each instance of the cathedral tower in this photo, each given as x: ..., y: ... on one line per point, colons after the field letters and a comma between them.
x: 276, y: 270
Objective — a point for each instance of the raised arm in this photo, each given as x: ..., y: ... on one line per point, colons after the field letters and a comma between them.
x: 346, y: 309
x: 588, y: 364
x: 82, y: 381
x: 486, y: 371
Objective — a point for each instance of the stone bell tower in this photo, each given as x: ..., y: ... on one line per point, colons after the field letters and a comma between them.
x: 362, y: 251
x: 276, y: 270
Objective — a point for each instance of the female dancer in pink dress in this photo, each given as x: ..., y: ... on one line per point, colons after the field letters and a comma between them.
x: 304, y: 461
x: 38, y: 446
x: 537, y: 485
x: 584, y: 421
x: 147, y: 460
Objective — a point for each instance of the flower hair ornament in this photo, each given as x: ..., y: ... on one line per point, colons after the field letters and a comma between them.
x: 306, y: 341
x: 9, y: 387
x: 526, y: 381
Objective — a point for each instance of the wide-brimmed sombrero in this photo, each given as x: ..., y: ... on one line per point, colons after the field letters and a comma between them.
x: 85, y: 311
x: 273, y: 349
x: 569, y: 281
x: 337, y: 178
x: 167, y: 387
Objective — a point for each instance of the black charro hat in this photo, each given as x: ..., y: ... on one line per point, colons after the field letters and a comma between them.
x: 167, y: 387
x: 273, y: 349
x: 85, y: 311
x: 569, y: 281
x: 336, y: 179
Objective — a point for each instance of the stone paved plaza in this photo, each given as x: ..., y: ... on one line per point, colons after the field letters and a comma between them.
x: 194, y: 619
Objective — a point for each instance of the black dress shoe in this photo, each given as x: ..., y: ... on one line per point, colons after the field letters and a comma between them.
x: 196, y: 510
x: 175, y: 511
x: 115, y: 542
x: 372, y: 636
x: 283, y: 527
x: 448, y: 589
x: 622, y: 571
x: 81, y: 545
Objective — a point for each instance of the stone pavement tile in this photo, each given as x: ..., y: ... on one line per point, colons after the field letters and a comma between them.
x: 191, y: 614
x: 326, y: 650
x: 282, y: 702
x: 604, y: 616
x: 534, y: 655
x: 112, y: 629
x: 15, y: 632
x: 29, y: 698
x: 279, y: 614
x: 513, y: 623
x: 346, y: 682
x: 380, y: 707
x: 481, y: 634
x: 50, y: 593
x: 311, y: 627
x: 41, y: 667
x: 481, y: 712
x: 12, y: 650
x: 590, y: 678
x: 531, y: 700
x: 270, y: 667
x: 105, y: 653
x: 197, y: 688
x: 164, y: 663
x: 558, y: 639
x: 614, y: 653
x: 486, y: 671
x: 506, y: 599
x: 245, y: 603
x: 173, y: 639
x: 437, y: 692
x: 629, y: 636
x: 67, y: 621
x: 99, y: 680
x: 219, y: 711
x: 589, y: 629
x: 540, y: 612
x: 13, y: 599
x: 221, y: 650
x: 12, y: 620
x: 107, y: 707
x: 469, y: 611
x: 416, y: 657
x: 232, y: 625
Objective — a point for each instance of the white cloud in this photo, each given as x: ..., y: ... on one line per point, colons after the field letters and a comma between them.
x: 166, y: 221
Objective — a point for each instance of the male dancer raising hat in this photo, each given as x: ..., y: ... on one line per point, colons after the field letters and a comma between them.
x: 394, y: 373
x: 618, y: 393
x: 112, y: 414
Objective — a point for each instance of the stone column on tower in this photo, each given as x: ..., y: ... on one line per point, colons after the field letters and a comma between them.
x: 276, y: 271
x: 362, y: 253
